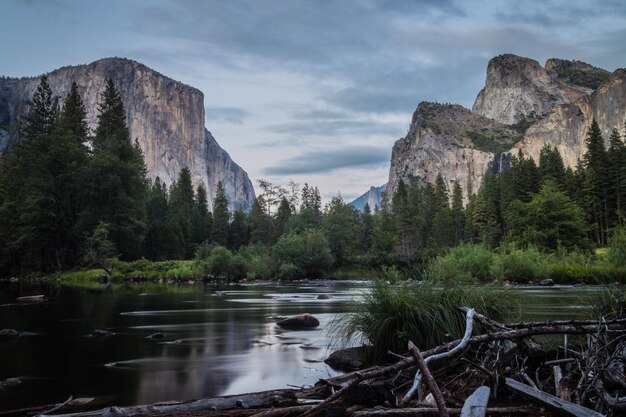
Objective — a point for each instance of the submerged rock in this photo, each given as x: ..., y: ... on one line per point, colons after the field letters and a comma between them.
x: 10, y: 382
x: 156, y: 336
x: 350, y: 359
x: 324, y: 297
x: 101, y: 333
x: 8, y: 334
x: 302, y: 321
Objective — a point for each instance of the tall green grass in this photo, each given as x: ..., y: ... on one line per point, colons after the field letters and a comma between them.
x: 427, y: 314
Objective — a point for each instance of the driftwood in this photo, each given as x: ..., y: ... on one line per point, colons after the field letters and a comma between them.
x: 476, y: 404
x: 416, y: 354
x: 550, y: 400
x: 572, y: 327
x: 276, y: 398
x: 423, y: 411
x: 430, y: 381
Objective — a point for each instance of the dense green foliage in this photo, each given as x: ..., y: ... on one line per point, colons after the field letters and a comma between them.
x: 70, y: 198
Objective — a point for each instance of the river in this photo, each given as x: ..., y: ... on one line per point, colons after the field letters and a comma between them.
x: 215, y: 343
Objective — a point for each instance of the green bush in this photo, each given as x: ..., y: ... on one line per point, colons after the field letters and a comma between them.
x: 520, y: 265
x: 465, y: 263
x: 220, y: 263
x: 308, y: 251
x: 391, y: 315
x: 617, y: 247
x: 258, y: 261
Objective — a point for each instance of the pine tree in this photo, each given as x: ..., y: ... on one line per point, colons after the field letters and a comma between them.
x: 616, y: 171
x: 551, y: 165
x: 238, y: 232
x: 595, y: 162
x: 41, y: 116
x: 458, y: 214
x: 201, y: 218
x: 283, y: 214
x: 221, y: 216
x: 259, y: 223
x: 115, y: 182
x: 365, y: 230
x: 182, y: 207
x: 73, y: 116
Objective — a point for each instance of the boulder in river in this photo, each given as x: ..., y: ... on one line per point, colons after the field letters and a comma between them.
x: 301, y: 321
x: 10, y: 382
x: 546, y: 282
x: 324, y: 297
x: 8, y: 334
x: 350, y: 359
x: 156, y: 336
x: 101, y: 333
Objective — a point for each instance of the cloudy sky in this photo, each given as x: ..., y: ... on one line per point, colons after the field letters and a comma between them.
x: 312, y: 90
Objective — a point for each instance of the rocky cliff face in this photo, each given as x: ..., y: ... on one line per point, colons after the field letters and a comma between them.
x: 439, y: 142
x: 166, y: 117
x: 373, y: 197
x: 566, y: 126
x: 522, y: 107
x: 517, y: 88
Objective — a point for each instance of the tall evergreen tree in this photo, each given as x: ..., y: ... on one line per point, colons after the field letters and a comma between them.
x: 115, y: 182
x: 616, y: 171
x: 238, y: 232
x: 42, y: 114
x: 458, y: 214
x: 595, y: 162
x: 73, y: 117
x: 221, y: 216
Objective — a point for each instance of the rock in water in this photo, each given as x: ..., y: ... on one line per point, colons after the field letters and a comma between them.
x: 10, y: 382
x: 156, y: 336
x: 8, y: 334
x: 350, y: 359
x: 324, y: 297
x: 101, y: 333
x: 166, y: 117
x: 302, y: 321
x: 546, y: 282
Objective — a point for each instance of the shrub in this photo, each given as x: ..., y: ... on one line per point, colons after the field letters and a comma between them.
x: 617, y: 247
x: 258, y: 261
x: 308, y: 251
x: 220, y: 263
x: 520, y: 265
x: 390, y: 315
x: 466, y: 263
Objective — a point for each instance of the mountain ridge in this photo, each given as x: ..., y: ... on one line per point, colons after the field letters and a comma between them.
x: 166, y: 117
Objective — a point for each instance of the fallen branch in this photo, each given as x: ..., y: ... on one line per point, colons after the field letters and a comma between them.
x: 423, y: 411
x: 377, y: 372
x: 469, y: 321
x: 430, y: 381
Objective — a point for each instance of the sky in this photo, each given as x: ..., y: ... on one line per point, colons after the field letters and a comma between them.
x: 312, y: 91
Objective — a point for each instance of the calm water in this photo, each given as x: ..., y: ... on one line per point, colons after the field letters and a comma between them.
x: 214, y: 344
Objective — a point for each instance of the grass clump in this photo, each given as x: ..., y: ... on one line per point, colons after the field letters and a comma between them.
x: 427, y: 314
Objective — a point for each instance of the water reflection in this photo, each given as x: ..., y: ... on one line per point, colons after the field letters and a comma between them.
x: 213, y: 344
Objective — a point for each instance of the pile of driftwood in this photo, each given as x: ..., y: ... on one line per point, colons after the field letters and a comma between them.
x: 500, y: 371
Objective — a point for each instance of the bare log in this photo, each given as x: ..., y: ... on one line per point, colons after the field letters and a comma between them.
x: 469, y: 320
x: 377, y: 372
x: 476, y: 404
x: 56, y: 407
x: 423, y: 411
x: 276, y: 398
x: 550, y: 400
x: 430, y: 381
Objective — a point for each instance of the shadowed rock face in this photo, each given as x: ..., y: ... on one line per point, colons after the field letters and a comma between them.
x: 566, y: 126
x: 518, y: 87
x: 441, y: 140
x: 522, y: 107
x: 164, y: 116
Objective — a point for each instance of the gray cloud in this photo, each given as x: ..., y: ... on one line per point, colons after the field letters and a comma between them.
x: 234, y: 115
x: 329, y: 160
